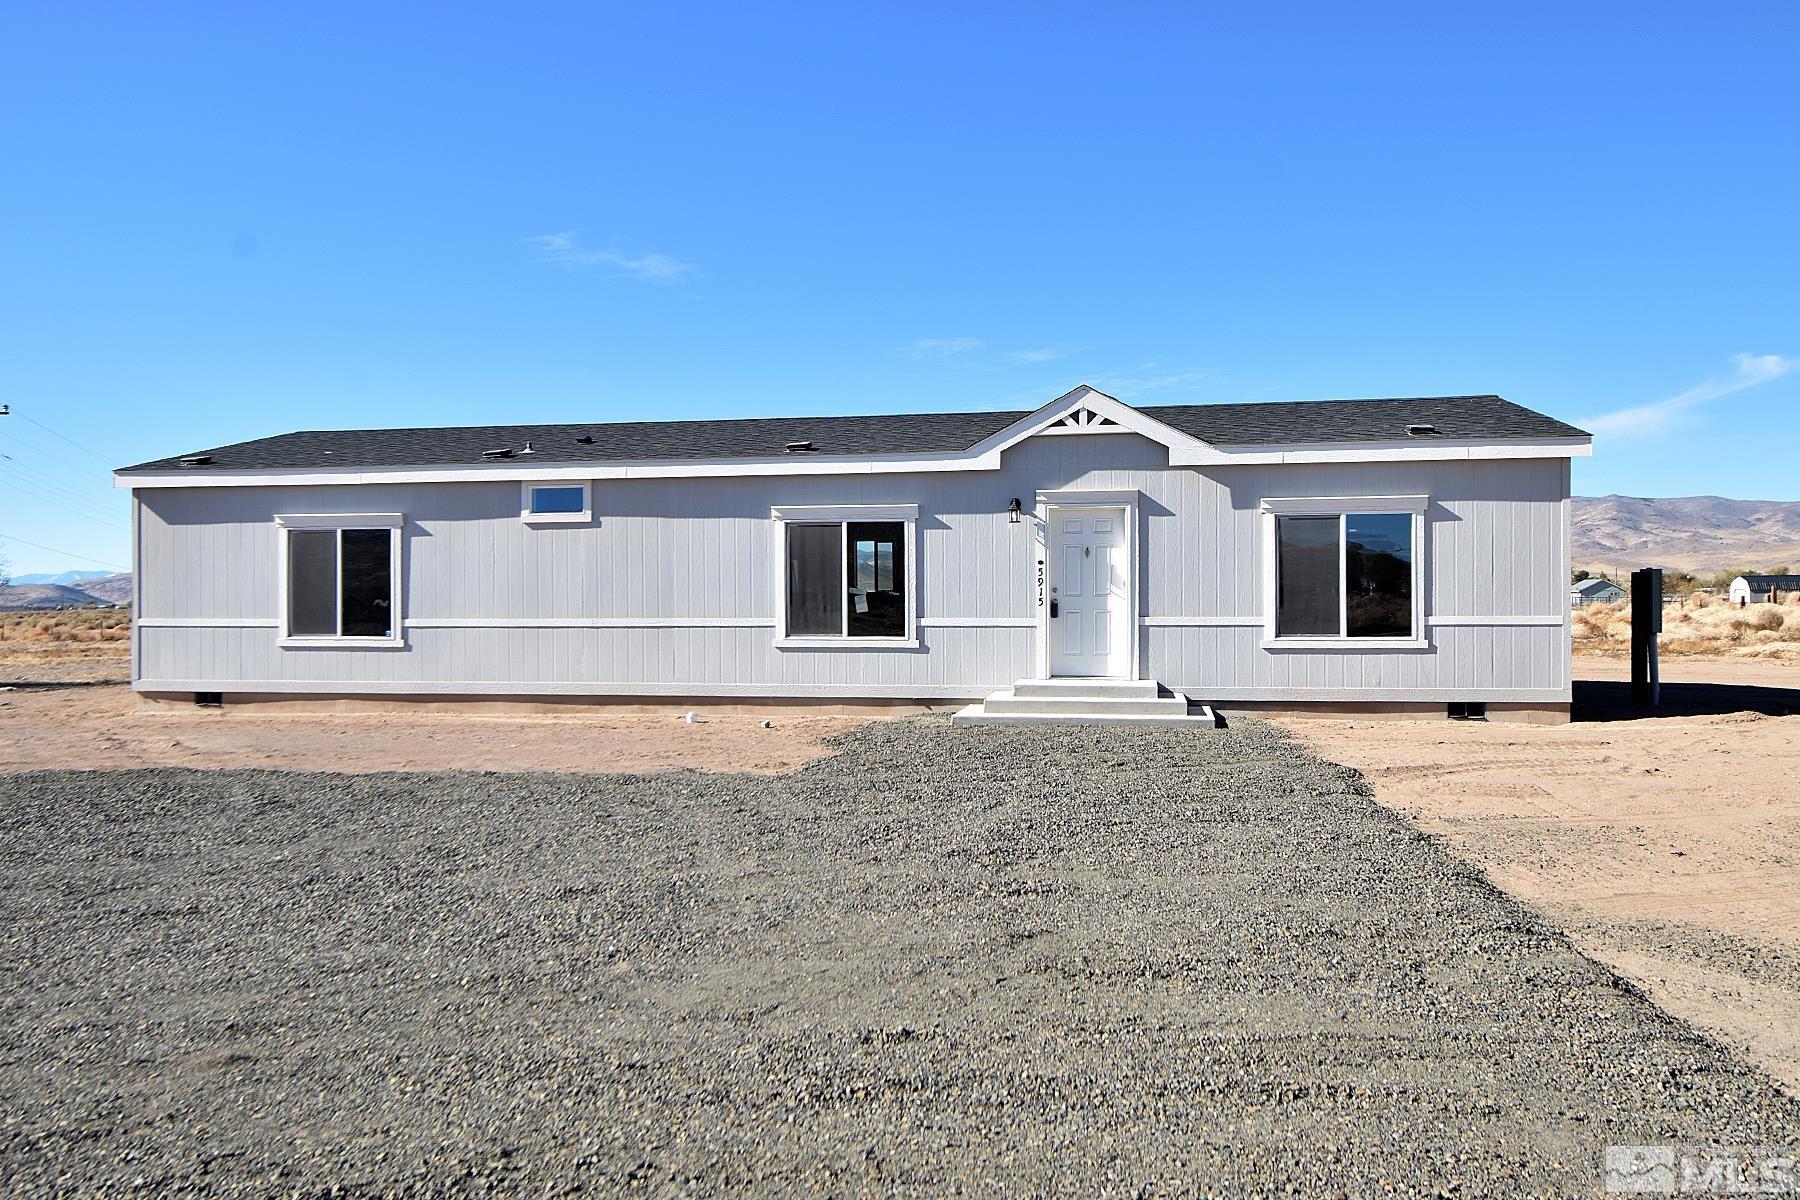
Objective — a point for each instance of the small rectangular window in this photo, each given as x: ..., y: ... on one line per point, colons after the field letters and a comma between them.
x: 558, y: 499
x: 555, y: 503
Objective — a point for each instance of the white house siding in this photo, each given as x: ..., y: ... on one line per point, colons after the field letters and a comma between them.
x: 703, y: 551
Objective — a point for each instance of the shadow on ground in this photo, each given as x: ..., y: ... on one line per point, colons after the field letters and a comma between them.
x: 1610, y: 700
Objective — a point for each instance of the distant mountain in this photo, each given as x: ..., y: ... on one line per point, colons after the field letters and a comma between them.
x: 113, y: 589
x: 42, y: 595
x: 94, y: 589
x: 1686, y: 533
x: 66, y: 578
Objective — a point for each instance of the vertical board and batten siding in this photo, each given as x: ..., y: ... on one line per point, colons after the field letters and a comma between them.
x: 705, y: 550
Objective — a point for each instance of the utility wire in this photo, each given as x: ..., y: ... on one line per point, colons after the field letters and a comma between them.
x: 84, y: 449
x: 109, y: 522
x: 39, y: 452
x: 65, y: 553
x: 57, y: 489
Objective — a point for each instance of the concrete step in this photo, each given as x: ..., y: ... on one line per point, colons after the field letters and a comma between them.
x: 1197, y: 716
x: 1065, y: 687
x: 1081, y: 705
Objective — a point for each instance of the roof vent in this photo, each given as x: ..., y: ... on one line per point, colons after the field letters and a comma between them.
x: 586, y: 439
x: 195, y: 460
x: 528, y: 449
x: 503, y: 452
x: 1421, y: 430
x: 799, y: 447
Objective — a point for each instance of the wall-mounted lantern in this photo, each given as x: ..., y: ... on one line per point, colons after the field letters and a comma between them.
x: 1012, y: 511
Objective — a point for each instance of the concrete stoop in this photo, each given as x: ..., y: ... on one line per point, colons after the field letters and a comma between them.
x: 1086, y: 701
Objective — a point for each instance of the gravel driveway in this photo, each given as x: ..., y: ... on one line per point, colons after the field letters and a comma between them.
x: 986, y: 962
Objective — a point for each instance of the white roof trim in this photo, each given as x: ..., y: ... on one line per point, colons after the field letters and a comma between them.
x: 1184, y: 451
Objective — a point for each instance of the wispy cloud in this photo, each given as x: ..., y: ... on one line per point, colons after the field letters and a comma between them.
x: 565, y: 250
x: 1149, y: 377
x: 1644, y: 419
x: 1044, y: 354
x: 939, y: 347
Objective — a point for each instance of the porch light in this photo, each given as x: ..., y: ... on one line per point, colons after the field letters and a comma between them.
x: 1012, y: 512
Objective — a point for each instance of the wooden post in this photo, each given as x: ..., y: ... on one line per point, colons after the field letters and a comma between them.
x: 1646, y: 623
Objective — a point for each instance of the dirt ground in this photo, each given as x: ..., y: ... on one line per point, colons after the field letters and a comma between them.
x: 944, y: 962
x: 1668, y: 846
x: 104, y: 727
x: 65, y: 662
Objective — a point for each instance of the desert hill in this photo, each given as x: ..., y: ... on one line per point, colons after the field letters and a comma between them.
x: 106, y: 589
x: 1688, y: 533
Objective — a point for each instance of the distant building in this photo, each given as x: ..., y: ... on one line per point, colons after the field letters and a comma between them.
x: 1595, y: 591
x: 1763, y: 589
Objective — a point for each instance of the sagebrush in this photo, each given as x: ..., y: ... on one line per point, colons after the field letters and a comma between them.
x: 66, y: 625
x: 1699, y: 624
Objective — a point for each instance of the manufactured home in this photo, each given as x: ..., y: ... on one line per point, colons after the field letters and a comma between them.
x: 1404, y: 555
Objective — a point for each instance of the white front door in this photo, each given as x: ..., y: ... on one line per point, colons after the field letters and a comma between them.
x: 1089, y: 610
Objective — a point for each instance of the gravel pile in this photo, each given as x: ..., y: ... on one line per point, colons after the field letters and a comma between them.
x: 991, y: 962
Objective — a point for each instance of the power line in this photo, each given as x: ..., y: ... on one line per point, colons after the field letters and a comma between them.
x: 58, y: 490
x: 109, y: 522
x: 39, y: 452
x: 66, y: 553
x: 85, y: 450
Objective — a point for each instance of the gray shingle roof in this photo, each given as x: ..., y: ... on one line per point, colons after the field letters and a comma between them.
x: 908, y: 433
x: 1589, y: 586
x: 1762, y: 583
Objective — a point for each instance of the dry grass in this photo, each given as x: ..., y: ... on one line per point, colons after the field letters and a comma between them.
x: 68, y: 625
x: 1698, y: 625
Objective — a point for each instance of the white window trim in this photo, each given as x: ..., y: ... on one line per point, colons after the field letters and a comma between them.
x: 393, y: 523
x: 1340, y: 507
x: 585, y: 516
x: 842, y: 515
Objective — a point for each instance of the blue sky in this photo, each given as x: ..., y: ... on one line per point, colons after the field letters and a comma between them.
x: 218, y: 223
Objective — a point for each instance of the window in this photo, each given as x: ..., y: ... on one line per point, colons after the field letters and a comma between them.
x: 555, y: 503
x: 341, y: 578
x: 846, y: 574
x: 1343, y: 573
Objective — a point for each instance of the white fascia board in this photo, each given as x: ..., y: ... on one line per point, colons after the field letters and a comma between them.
x: 1399, y: 451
